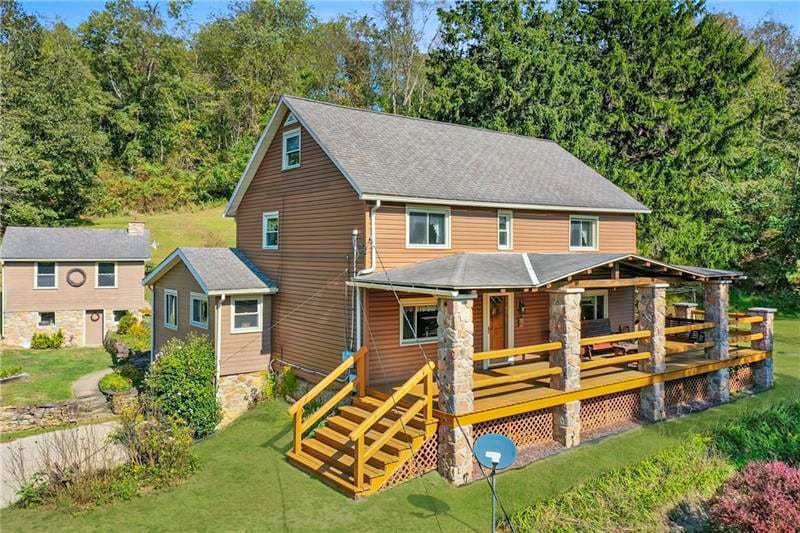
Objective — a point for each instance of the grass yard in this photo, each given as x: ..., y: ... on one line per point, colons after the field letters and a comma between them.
x: 246, y: 484
x: 201, y: 227
x: 52, y: 373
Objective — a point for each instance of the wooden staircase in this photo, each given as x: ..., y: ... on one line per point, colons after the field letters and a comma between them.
x: 360, y: 447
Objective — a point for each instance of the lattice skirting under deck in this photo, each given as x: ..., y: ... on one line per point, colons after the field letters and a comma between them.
x: 526, y: 429
x: 610, y: 410
x: 423, y: 461
x: 741, y: 378
x: 686, y: 391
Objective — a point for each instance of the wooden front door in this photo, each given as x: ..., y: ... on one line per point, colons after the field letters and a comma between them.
x: 498, y: 321
x: 94, y: 327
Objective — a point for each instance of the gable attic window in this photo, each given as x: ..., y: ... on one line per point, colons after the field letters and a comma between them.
x: 46, y: 276
x: 427, y: 227
x: 291, y: 149
x: 269, y: 229
x: 504, y: 235
x: 583, y: 233
x: 291, y: 119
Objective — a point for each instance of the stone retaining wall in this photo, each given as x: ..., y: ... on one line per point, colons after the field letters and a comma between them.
x: 20, y: 418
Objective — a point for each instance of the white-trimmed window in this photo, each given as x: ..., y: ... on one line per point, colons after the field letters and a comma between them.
x: 291, y: 149
x: 47, y: 318
x: 427, y: 227
x: 583, y: 233
x: 198, y: 306
x: 418, y: 323
x: 170, y: 309
x: 46, y: 276
x: 594, y: 305
x: 504, y: 230
x: 106, y: 276
x: 269, y: 230
x: 118, y: 314
x: 245, y: 314
x: 291, y: 119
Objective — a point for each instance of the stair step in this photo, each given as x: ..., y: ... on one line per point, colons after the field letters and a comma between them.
x: 328, y: 473
x: 368, y: 403
x: 341, y: 460
x: 341, y: 442
x: 358, y: 415
x: 395, y: 445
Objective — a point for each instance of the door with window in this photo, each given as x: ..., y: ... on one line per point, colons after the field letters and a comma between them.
x: 496, y: 329
x: 94, y: 327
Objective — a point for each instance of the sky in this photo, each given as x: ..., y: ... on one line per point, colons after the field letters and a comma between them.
x: 73, y: 12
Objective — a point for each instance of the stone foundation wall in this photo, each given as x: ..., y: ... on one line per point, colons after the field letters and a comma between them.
x: 20, y: 326
x: 237, y: 393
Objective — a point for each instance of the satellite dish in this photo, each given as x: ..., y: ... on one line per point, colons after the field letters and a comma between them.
x: 495, y: 451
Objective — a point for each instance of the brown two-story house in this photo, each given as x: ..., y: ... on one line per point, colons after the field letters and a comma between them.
x: 77, y: 280
x: 380, y: 247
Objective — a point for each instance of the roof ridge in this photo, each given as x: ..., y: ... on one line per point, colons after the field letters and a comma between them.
x: 420, y: 119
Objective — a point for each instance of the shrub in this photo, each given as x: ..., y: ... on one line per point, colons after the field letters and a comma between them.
x: 181, y: 383
x: 288, y: 382
x: 771, y: 434
x: 270, y: 385
x: 762, y: 497
x: 115, y: 382
x: 43, y: 341
x: 8, y: 371
x: 132, y: 373
x: 125, y: 323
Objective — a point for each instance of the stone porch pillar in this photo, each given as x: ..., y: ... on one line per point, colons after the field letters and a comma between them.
x: 565, y: 327
x: 652, y: 316
x: 763, y: 371
x: 715, y: 303
x: 455, y: 369
x: 684, y: 309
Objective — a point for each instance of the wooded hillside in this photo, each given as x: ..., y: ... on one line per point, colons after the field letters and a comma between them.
x: 140, y: 109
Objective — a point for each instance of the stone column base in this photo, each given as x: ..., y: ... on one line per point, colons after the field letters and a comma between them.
x: 455, y: 454
x: 652, y: 403
x: 567, y: 424
x: 763, y: 374
x: 719, y: 386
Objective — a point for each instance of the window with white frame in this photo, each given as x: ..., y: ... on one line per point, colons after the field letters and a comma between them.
x: 170, y: 309
x: 199, y: 310
x: 291, y: 119
x: 269, y: 228
x: 594, y: 305
x: 46, y: 276
x: 583, y: 233
x: 504, y: 235
x: 291, y: 149
x: 246, y: 314
x: 427, y: 227
x: 47, y: 318
x: 418, y: 324
x: 106, y: 275
x: 118, y: 314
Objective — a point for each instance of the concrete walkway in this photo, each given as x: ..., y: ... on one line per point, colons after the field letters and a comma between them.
x: 86, y: 387
x: 83, y: 445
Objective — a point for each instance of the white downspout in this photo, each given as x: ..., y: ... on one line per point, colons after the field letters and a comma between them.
x: 218, y: 333
x: 153, y: 324
x: 372, y: 264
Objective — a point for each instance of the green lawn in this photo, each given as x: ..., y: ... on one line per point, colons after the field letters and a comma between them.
x: 201, y: 227
x: 246, y: 484
x: 52, y: 373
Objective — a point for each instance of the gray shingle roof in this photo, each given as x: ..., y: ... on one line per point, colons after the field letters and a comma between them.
x: 73, y: 243
x: 509, y: 270
x: 392, y: 155
x: 219, y: 269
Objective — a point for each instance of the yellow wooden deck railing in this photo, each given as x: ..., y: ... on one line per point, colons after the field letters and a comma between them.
x: 359, y: 385
x: 675, y: 330
x: 616, y: 337
x: 613, y: 361
x: 513, y: 352
x: 736, y: 334
x: 362, y: 455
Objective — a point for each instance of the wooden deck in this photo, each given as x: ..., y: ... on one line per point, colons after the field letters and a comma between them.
x: 505, y: 400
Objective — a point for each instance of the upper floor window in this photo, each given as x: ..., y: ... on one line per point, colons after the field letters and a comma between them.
x: 170, y: 309
x: 427, y: 227
x: 269, y: 228
x: 583, y: 233
x: 106, y: 275
x: 199, y: 309
x: 291, y: 119
x: 419, y: 323
x: 504, y: 235
x: 46, y: 276
x: 246, y: 314
x: 291, y: 149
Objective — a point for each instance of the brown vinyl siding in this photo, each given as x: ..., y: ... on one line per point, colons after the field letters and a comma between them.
x: 20, y: 294
x: 621, y: 304
x: 244, y: 352
x: 474, y: 229
x: 178, y: 278
x: 318, y: 210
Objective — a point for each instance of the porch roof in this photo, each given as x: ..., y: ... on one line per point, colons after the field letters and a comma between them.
x: 465, y: 271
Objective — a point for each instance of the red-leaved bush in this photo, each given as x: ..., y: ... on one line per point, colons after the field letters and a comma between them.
x: 764, y: 497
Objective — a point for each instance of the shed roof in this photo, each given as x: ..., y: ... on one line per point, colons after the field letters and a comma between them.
x: 217, y: 270
x: 30, y: 243
x: 387, y: 156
